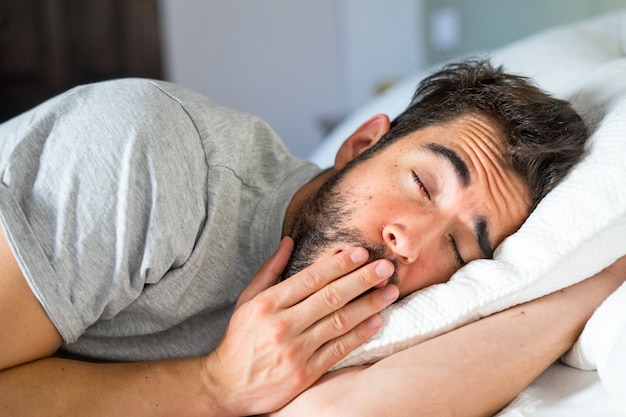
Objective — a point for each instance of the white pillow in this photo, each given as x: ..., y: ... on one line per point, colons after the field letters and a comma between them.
x: 556, y: 57
x: 576, y: 230
x: 602, y: 344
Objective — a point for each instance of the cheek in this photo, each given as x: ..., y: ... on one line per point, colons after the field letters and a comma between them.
x: 373, y: 203
x: 378, y: 207
x: 429, y: 270
x: 367, y: 213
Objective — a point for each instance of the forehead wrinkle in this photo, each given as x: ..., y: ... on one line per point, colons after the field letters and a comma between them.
x: 488, y: 137
x: 502, y: 188
x: 460, y: 167
x: 505, y: 189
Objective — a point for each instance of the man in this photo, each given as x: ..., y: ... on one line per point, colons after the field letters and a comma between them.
x: 135, y: 212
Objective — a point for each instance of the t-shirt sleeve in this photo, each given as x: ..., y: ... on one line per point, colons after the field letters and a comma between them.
x: 103, y: 191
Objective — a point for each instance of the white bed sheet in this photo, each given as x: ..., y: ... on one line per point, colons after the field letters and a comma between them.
x: 562, y: 391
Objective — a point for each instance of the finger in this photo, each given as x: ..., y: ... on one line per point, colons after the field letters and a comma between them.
x: 316, y: 276
x: 276, y: 264
x: 269, y: 273
x: 346, y: 319
x: 337, y: 294
x: 338, y: 348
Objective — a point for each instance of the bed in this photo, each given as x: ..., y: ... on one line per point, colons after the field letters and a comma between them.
x: 571, y: 235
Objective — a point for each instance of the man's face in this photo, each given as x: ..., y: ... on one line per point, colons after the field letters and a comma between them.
x: 430, y: 202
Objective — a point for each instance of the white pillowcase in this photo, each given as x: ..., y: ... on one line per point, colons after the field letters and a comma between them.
x: 577, y: 230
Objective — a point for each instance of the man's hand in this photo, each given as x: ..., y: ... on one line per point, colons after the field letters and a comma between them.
x: 283, y: 337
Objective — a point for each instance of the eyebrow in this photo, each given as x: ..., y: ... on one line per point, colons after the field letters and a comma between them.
x: 460, y: 167
x: 481, y: 230
x: 482, y: 235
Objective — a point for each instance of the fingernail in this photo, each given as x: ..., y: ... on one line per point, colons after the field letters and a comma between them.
x: 390, y: 292
x: 374, y: 322
x: 384, y: 269
x: 359, y: 255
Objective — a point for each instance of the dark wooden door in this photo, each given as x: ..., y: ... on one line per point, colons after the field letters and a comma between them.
x: 48, y: 46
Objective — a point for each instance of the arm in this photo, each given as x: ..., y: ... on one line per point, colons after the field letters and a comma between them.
x: 286, y: 335
x: 472, y: 371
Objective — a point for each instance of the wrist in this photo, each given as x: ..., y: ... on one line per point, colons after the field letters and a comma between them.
x: 220, y: 396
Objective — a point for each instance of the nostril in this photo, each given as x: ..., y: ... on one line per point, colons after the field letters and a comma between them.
x: 401, y: 244
x: 389, y: 237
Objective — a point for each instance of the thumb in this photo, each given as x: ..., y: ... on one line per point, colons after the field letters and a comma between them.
x: 269, y: 273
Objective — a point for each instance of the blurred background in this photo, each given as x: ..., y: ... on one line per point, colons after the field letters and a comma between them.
x: 301, y: 65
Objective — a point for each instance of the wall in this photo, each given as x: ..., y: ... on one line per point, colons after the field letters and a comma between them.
x: 300, y: 65
x: 304, y: 64
x: 466, y: 26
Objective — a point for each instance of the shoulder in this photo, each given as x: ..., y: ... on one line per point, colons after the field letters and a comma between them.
x: 234, y: 140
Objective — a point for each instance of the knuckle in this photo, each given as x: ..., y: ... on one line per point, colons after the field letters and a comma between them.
x: 362, y: 333
x: 331, y: 298
x: 366, y: 277
x: 375, y: 301
x: 311, y: 280
x: 342, y: 264
x: 374, y: 304
x: 290, y: 356
x: 292, y: 359
x: 280, y: 332
x: 339, y: 320
x: 299, y: 378
x: 262, y: 305
x: 339, y: 348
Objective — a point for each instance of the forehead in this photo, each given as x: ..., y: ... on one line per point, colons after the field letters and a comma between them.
x: 464, y: 134
x: 468, y: 153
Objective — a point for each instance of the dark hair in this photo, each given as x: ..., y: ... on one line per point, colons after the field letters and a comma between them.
x: 545, y: 136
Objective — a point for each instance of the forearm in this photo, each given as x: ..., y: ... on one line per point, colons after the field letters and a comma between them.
x: 478, y: 369
x: 472, y: 371
x: 64, y: 387
x: 280, y: 340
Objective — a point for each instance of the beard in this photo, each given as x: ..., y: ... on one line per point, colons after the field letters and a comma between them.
x: 320, y: 224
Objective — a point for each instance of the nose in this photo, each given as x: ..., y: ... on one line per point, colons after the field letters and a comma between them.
x: 404, y: 245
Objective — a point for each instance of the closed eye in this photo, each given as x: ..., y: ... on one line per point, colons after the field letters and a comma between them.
x: 455, y: 250
x: 420, y: 184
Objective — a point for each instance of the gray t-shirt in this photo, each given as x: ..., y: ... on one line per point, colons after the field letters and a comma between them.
x: 138, y: 211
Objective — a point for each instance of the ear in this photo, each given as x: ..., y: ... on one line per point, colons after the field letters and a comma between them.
x: 363, y: 138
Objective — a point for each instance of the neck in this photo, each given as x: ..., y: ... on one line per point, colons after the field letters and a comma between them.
x: 301, y: 196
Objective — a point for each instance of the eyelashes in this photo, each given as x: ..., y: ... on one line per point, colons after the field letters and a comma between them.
x: 420, y: 184
x: 455, y: 249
